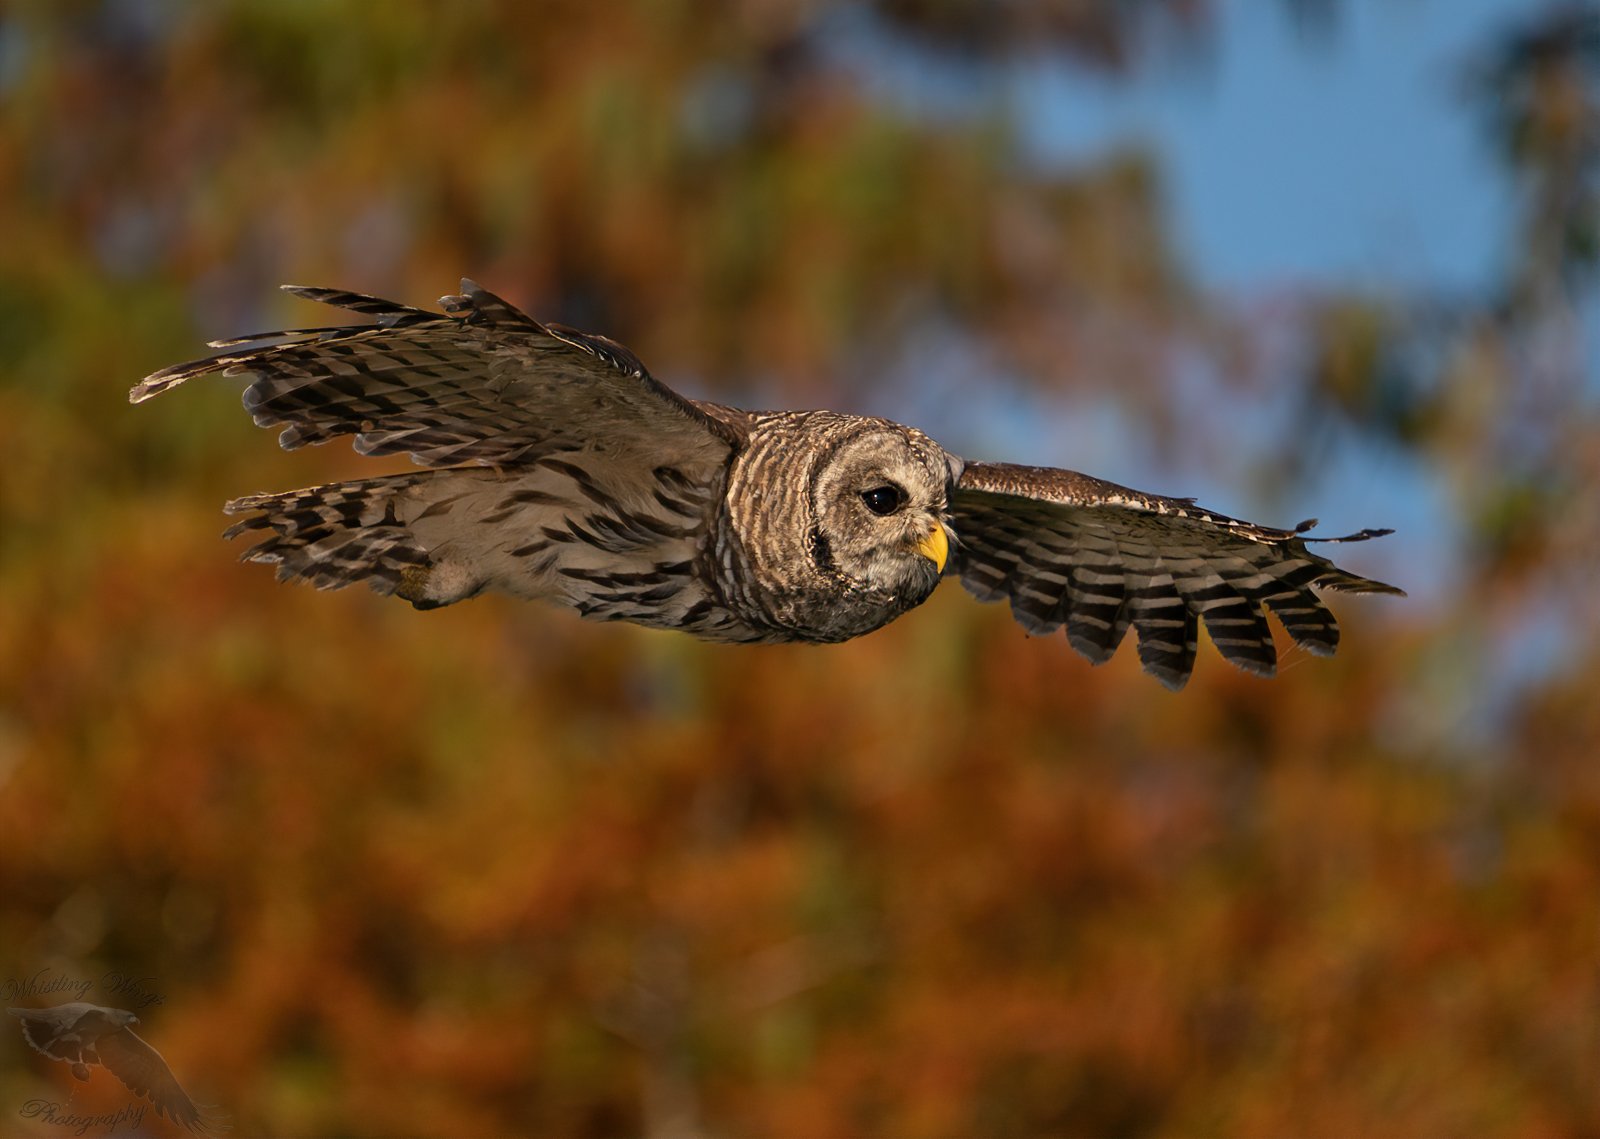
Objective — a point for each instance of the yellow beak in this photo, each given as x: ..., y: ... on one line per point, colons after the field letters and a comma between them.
x: 935, y: 547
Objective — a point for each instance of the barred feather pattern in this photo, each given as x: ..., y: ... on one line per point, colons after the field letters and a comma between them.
x: 552, y: 530
x: 565, y: 472
x: 332, y: 536
x: 1098, y: 558
x: 595, y: 486
x: 483, y: 383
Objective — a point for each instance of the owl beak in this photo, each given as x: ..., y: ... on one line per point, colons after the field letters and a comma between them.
x: 935, y: 547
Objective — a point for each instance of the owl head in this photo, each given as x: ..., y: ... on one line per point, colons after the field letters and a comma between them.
x: 877, y: 504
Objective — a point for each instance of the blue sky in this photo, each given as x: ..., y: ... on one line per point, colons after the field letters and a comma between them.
x: 1290, y: 159
x: 1346, y: 159
x: 1290, y: 162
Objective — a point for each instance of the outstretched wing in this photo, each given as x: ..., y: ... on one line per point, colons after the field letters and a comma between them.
x: 483, y: 383
x: 48, y: 1031
x: 1071, y: 550
x: 141, y: 1067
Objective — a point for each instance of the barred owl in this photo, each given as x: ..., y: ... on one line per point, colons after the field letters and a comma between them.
x: 560, y: 469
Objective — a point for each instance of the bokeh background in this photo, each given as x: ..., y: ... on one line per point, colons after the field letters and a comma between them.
x: 493, y: 871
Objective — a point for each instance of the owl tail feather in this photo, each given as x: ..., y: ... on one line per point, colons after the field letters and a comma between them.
x: 335, y: 535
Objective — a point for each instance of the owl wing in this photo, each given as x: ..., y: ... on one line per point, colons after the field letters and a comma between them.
x: 146, y: 1074
x: 482, y: 383
x: 1071, y: 550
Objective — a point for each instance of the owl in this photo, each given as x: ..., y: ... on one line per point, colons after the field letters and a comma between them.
x: 557, y: 468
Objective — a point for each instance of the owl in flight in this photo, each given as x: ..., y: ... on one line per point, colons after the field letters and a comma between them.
x: 558, y: 468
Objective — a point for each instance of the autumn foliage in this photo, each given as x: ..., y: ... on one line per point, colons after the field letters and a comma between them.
x: 496, y: 871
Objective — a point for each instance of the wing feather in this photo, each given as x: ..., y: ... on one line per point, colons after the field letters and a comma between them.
x: 481, y: 383
x: 1096, y: 604
x: 48, y: 1031
x: 146, y: 1074
x: 1068, y: 549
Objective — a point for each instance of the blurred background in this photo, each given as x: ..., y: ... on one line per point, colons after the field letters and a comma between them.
x: 493, y: 871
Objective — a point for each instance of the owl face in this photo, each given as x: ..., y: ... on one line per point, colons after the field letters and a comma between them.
x: 879, y: 500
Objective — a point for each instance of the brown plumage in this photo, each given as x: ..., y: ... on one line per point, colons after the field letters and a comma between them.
x: 563, y: 471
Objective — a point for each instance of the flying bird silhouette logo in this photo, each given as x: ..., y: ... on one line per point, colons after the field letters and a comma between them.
x: 82, y: 1034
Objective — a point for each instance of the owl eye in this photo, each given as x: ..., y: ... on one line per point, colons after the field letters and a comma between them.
x: 884, y: 499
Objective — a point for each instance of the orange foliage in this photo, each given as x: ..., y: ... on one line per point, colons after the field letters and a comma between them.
x: 494, y: 871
